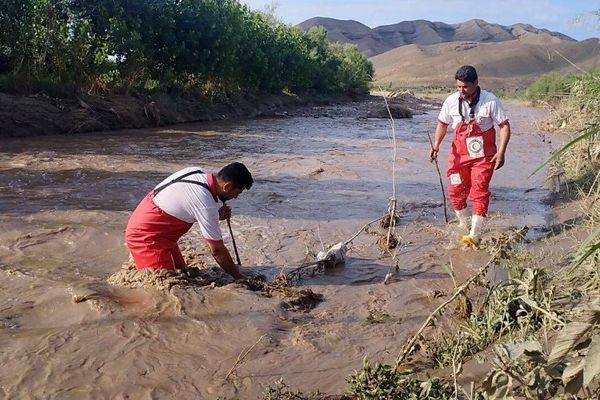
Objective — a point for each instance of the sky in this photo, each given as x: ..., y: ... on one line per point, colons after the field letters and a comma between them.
x: 573, y: 18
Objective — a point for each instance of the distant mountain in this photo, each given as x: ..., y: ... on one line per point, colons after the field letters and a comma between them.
x: 424, y: 53
x: 384, y: 38
x: 508, y: 64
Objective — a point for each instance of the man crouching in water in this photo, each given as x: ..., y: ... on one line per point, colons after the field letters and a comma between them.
x: 170, y: 210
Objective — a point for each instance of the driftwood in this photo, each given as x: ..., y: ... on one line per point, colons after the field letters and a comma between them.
x: 152, y: 112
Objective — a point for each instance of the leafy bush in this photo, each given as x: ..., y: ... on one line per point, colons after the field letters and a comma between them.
x: 550, y: 87
x: 384, y: 382
x: 112, y: 45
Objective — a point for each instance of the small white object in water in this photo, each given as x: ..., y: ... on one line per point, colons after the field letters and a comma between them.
x: 388, y: 276
x: 334, y: 256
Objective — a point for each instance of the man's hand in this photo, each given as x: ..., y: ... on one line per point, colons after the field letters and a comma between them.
x: 433, y: 153
x: 224, y: 212
x: 498, y: 159
x: 440, y: 133
x: 223, y: 258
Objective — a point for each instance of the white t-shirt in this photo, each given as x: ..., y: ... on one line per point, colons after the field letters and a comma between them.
x: 191, y: 202
x: 487, y: 111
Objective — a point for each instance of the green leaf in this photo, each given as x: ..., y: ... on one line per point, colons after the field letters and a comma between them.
x: 588, y: 253
x: 594, y: 236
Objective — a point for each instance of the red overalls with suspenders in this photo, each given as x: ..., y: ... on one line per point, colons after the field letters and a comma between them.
x: 469, y: 167
x: 152, y: 234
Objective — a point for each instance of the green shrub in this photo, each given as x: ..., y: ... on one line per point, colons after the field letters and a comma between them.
x: 550, y: 87
x: 122, y: 45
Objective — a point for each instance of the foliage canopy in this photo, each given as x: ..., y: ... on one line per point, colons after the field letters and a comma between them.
x: 206, y: 45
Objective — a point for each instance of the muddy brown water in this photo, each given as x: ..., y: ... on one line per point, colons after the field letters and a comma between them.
x: 65, y: 201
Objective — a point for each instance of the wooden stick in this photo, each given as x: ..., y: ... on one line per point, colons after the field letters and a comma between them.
x: 458, y: 291
x: 392, y: 221
x: 347, y: 242
x: 437, y: 167
x: 237, y: 256
x: 455, y: 369
x: 243, y: 355
x: 392, y: 205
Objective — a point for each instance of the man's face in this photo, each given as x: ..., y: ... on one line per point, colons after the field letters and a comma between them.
x: 230, y: 192
x: 466, y: 89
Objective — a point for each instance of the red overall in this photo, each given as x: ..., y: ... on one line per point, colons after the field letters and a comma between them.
x: 469, y: 167
x: 152, y: 236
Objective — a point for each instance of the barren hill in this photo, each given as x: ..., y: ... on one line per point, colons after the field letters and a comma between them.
x: 508, y: 64
x: 384, y: 38
x: 424, y: 53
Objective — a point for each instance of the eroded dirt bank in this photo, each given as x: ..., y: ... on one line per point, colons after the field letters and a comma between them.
x: 47, y: 114
x: 320, y: 175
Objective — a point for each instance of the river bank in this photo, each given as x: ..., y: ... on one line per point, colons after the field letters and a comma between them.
x: 42, y: 113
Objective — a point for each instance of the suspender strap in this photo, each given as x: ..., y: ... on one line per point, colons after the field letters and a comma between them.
x: 471, y: 105
x: 181, y: 179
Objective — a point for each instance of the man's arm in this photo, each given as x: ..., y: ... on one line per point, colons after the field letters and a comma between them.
x: 223, y: 258
x: 498, y: 158
x: 440, y: 133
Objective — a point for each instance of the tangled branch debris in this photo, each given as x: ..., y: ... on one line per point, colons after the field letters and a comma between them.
x: 499, y: 248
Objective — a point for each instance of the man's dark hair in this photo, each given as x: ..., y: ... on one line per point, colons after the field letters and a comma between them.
x: 238, y: 174
x: 466, y: 73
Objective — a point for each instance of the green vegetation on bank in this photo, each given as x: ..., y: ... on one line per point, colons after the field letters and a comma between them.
x: 207, y: 47
x: 578, y: 162
x: 550, y: 88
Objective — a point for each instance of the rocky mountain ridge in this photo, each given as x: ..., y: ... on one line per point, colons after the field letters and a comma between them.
x: 373, y: 41
x: 423, y: 53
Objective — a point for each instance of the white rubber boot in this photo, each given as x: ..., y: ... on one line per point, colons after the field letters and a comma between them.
x: 463, y: 218
x: 472, y: 239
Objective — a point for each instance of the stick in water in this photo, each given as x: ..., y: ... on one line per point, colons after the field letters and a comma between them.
x: 237, y: 256
x: 437, y: 167
x: 243, y: 355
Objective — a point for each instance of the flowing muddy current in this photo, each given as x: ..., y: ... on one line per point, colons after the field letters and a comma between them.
x: 67, y: 333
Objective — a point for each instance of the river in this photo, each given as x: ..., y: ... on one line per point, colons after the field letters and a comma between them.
x: 319, y: 178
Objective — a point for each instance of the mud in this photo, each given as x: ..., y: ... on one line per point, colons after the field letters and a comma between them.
x: 321, y: 173
x: 131, y: 277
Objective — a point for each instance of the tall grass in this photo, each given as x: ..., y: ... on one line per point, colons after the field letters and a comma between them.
x: 578, y: 115
x: 550, y: 88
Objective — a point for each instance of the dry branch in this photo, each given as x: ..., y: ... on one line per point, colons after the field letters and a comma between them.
x: 408, y: 347
x: 243, y: 355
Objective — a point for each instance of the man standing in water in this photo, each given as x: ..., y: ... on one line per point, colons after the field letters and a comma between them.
x: 170, y: 210
x: 474, y: 155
